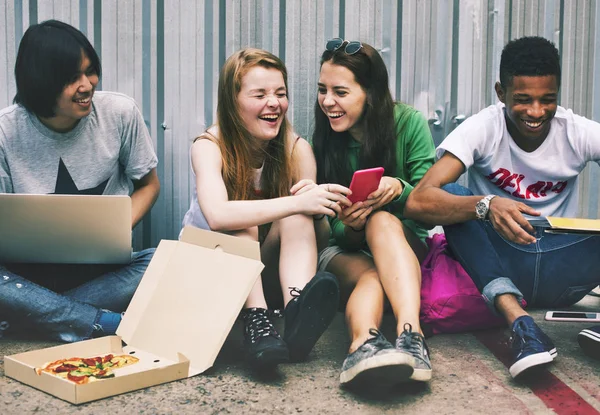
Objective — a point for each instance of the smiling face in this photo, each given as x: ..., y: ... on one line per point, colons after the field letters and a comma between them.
x: 263, y: 102
x: 531, y: 103
x: 341, y: 98
x: 75, y: 101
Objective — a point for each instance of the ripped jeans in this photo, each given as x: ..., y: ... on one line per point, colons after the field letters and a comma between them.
x: 64, y: 302
x: 557, y: 270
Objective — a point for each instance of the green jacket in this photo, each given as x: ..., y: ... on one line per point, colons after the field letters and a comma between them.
x: 415, y: 154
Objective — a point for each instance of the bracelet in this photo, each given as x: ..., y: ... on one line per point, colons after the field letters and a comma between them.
x: 319, y: 217
x: 357, y: 230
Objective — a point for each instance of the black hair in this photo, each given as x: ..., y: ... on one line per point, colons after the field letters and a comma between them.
x: 529, y: 56
x: 49, y: 57
x: 379, y: 137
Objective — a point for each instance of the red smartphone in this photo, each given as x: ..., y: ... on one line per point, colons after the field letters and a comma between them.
x: 364, y: 182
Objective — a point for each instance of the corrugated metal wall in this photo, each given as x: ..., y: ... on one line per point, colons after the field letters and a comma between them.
x: 443, y: 58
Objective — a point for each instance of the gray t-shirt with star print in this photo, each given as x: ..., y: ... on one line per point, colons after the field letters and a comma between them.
x: 101, y: 155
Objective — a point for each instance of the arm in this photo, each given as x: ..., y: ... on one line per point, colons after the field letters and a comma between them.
x: 419, y: 156
x: 429, y: 203
x: 305, y: 168
x: 144, y: 195
x: 415, y: 154
x: 223, y: 214
x: 5, y: 179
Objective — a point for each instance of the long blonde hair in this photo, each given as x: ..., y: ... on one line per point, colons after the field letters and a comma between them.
x: 236, y: 143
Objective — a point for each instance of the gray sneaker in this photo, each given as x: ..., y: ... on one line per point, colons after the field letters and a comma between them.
x: 414, y: 344
x: 376, y: 361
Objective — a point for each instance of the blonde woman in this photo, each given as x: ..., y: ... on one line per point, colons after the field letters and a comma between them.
x: 256, y: 179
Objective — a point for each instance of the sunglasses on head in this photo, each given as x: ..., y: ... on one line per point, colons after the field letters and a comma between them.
x: 351, y: 46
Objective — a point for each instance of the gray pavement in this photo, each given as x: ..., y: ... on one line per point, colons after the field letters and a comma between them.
x: 469, y: 378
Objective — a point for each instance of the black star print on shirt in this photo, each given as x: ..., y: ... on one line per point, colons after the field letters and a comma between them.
x: 66, y: 186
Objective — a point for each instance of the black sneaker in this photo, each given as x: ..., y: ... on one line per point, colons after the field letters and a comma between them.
x: 589, y: 340
x: 376, y: 363
x: 264, y: 347
x: 530, y: 345
x: 413, y: 343
x: 309, y: 313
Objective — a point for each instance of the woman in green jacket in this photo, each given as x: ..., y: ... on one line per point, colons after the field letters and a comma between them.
x: 375, y: 252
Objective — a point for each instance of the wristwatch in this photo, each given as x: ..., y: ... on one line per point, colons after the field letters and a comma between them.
x: 482, y: 208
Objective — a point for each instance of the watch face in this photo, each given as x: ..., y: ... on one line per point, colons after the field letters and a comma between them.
x: 481, y: 209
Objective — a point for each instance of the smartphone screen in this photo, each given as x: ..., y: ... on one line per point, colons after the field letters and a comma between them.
x: 564, y: 314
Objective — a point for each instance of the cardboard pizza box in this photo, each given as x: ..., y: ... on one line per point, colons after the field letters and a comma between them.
x: 176, y: 323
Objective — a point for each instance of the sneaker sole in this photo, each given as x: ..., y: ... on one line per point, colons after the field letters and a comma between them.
x: 269, y: 359
x: 421, y: 375
x: 589, y: 341
x: 386, y: 369
x: 530, y: 362
x: 320, y: 306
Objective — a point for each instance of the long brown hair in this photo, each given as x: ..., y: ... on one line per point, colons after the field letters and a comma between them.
x: 236, y: 143
x: 379, y: 136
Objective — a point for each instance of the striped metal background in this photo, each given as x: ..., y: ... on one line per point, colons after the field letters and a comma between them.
x: 443, y: 58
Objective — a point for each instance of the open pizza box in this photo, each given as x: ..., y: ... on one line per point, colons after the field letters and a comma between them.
x: 176, y: 323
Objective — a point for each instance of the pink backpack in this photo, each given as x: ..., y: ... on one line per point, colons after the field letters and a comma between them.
x: 450, y: 301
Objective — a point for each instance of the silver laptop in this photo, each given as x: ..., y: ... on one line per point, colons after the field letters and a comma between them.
x: 65, y: 229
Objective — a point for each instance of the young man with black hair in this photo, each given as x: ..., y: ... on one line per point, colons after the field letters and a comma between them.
x: 63, y: 137
x: 524, y: 156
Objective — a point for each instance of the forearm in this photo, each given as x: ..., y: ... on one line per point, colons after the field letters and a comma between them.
x: 243, y: 214
x: 435, y: 206
x: 142, y: 200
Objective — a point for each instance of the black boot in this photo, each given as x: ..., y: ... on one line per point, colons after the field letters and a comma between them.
x: 264, y: 347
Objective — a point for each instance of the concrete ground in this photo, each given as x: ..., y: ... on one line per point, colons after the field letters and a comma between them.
x: 470, y: 377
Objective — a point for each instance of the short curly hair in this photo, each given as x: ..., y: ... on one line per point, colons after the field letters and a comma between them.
x: 529, y: 56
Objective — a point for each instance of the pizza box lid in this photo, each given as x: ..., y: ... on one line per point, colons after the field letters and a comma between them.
x: 191, y: 295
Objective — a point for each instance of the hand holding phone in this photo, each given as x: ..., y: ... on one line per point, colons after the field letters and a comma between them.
x: 364, y: 182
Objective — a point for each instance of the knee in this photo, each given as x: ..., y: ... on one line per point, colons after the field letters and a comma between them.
x: 457, y: 189
x: 298, y: 224
x: 382, y: 222
x: 143, y: 257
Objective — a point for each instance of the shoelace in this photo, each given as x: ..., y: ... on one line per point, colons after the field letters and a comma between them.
x: 520, y: 332
x: 258, y: 325
x: 412, y: 342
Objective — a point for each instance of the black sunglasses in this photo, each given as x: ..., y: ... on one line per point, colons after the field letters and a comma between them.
x: 337, y: 42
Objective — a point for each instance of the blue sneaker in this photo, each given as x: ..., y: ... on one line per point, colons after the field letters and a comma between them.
x: 530, y: 345
x: 589, y: 340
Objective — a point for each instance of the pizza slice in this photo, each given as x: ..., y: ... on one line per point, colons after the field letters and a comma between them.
x: 87, y: 369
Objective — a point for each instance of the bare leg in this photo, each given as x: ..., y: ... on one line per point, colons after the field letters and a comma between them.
x: 364, y: 310
x: 298, y: 253
x: 256, y: 298
x: 394, y: 248
x: 509, y: 307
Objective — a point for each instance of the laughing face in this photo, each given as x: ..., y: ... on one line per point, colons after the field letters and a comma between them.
x: 75, y: 101
x: 263, y: 102
x: 531, y: 103
x: 341, y: 98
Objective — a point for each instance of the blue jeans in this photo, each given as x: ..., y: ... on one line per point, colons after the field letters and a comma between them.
x: 557, y: 270
x: 63, y: 302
